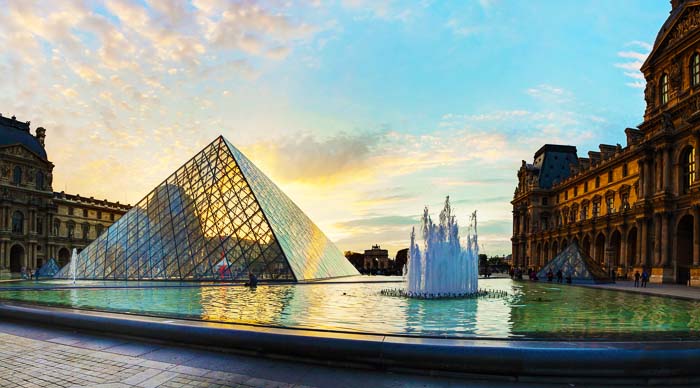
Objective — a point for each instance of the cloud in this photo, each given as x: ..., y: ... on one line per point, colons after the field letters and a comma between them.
x: 634, y: 59
x: 550, y: 94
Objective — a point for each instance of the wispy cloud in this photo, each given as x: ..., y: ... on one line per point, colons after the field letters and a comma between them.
x: 634, y: 57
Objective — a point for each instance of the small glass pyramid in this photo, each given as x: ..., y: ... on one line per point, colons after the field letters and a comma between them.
x: 573, y: 262
x: 218, y: 217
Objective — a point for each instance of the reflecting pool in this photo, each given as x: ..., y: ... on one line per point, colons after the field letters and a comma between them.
x: 531, y: 311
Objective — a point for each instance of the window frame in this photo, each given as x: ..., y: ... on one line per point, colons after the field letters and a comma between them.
x: 687, y: 169
x: 663, y: 89
x: 694, y: 68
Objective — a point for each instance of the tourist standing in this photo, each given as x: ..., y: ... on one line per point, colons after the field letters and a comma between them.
x: 636, y: 278
x: 560, y: 276
x: 645, y: 278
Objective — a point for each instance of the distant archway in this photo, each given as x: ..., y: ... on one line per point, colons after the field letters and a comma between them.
x: 586, y: 245
x: 600, y: 249
x: 16, y: 258
x: 616, y: 245
x: 63, y: 257
x: 684, y: 249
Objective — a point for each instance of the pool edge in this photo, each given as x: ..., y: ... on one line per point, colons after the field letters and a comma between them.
x: 663, y: 362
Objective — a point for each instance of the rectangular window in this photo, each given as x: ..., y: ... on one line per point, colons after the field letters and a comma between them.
x: 610, y: 176
x: 625, y: 200
x: 39, y: 225
x: 544, y: 201
x: 85, y: 213
x: 597, y: 182
x: 610, y: 205
x: 585, y: 186
x: 624, y: 170
x: 575, y: 191
x: 584, y: 213
x: 99, y: 215
x: 111, y: 216
x: 566, y: 195
x: 596, y: 209
x: 70, y: 211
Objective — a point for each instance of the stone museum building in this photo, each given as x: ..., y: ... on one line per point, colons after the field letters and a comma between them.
x: 630, y: 207
x: 36, y: 223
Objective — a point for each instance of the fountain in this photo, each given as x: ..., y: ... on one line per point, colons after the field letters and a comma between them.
x: 74, y: 264
x: 442, y: 267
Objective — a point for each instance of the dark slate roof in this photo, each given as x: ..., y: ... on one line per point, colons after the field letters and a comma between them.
x: 553, y: 162
x: 16, y: 132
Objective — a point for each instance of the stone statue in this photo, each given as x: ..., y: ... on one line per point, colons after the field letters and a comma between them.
x: 649, y: 93
x: 667, y: 122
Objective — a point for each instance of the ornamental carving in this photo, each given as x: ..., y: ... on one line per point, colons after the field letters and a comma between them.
x: 674, y: 77
x: 649, y: 93
x: 686, y: 25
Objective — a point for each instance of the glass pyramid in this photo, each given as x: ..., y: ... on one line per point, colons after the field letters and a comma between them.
x: 218, y: 217
x: 573, y: 262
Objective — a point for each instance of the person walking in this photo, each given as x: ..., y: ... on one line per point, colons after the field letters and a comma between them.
x: 636, y: 278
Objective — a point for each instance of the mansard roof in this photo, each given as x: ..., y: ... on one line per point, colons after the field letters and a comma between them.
x: 16, y: 132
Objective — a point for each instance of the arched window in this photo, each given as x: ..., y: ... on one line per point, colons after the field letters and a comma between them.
x: 688, y: 165
x: 663, y: 89
x: 695, y: 70
x: 86, y: 230
x: 40, y: 180
x: 17, y: 222
x: 71, y: 229
x: 17, y: 175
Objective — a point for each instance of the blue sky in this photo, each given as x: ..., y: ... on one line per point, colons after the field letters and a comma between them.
x: 363, y: 111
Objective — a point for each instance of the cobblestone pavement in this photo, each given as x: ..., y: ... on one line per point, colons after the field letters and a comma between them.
x: 37, y: 356
x: 674, y: 290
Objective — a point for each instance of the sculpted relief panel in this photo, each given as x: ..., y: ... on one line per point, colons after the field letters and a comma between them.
x: 686, y: 25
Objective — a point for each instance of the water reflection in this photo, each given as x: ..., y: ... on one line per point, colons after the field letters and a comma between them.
x: 530, y: 311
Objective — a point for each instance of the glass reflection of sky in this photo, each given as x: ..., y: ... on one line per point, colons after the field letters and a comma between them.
x: 531, y: 311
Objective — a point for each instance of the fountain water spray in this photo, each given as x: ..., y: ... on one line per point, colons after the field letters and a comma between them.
x: 442, y: 267
x: 74, y: 264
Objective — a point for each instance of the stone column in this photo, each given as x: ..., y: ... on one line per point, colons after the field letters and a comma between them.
x: 696, y: 233
x: 642, y: 179
x: 649, y: 172
x: 658, y: 172
x: 667, y: 169
x: 664, y: 242
x: 656, y: 260
x: 622, y: 260
x: 644, y: 249
x: 638, y: 259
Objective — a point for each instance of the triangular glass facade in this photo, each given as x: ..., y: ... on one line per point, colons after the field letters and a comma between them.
x: 218, y: 217
x: 573, y: 262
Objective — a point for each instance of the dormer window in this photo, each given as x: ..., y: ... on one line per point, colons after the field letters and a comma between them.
x: 695, y: 70
x: 663, y: 89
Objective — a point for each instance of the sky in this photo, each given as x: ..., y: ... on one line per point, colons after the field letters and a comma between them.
x: 362, y: 111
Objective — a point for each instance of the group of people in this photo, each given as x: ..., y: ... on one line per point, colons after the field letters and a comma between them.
x: 644, y: 277
x: 517, y: 274
x: 28, y: 273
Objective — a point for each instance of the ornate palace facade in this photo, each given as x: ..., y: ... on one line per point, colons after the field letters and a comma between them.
x: 629, y: 207
x: 37, y: 223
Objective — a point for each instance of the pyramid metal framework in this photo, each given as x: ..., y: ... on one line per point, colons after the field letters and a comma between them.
x: 218, y: 217
x: 572, y: 261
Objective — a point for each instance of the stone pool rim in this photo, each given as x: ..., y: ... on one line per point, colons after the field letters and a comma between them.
x: 666, y: 362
